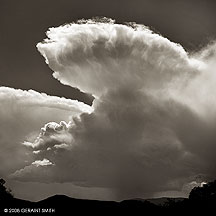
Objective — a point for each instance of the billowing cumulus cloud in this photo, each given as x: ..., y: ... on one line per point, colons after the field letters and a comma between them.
x: 22, y: 114
x: 152, y: 127
x: 96, y: 56
x: 52, y: 133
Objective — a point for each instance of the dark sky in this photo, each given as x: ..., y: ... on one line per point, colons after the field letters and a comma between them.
x: 24, y: 23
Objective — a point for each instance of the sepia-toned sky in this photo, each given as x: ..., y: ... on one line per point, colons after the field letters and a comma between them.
x: 24, y: 23
x: 150, y: 130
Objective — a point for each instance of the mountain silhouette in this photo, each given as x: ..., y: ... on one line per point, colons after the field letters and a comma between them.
x: 201, y: 200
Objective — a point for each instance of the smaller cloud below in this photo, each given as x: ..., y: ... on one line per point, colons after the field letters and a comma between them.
x: 43, y: 162
x: 22, y: 114
x: 52, y: 135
